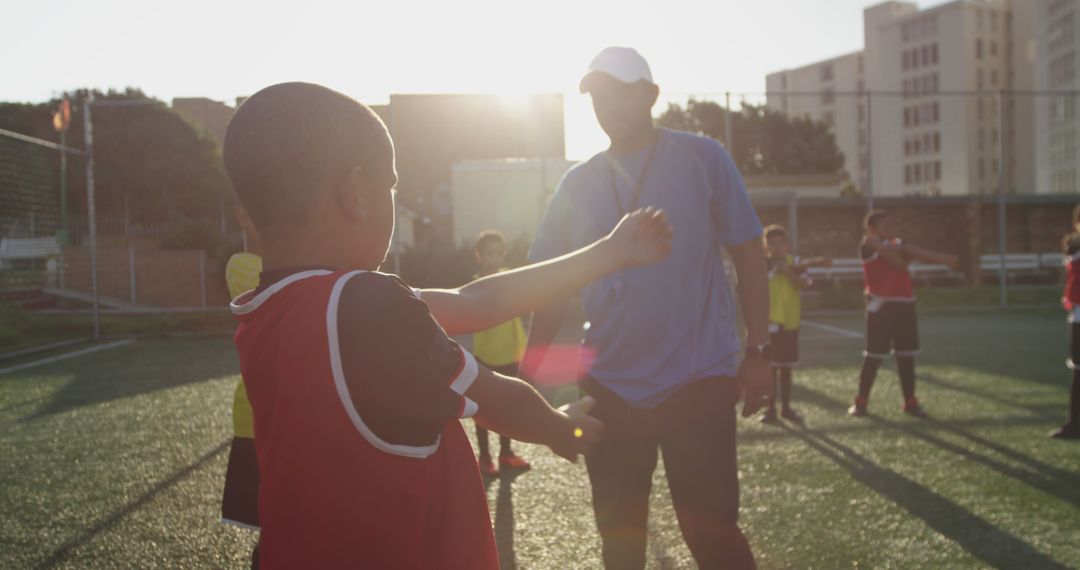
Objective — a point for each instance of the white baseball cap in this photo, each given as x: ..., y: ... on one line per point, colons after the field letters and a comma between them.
x: 622, y: 63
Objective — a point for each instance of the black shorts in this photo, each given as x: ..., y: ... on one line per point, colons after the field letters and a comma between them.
x: 785, y: 346
x: 893, y: 328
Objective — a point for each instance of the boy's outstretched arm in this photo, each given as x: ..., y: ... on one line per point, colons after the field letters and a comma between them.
x: 515, y: 409
x: 927, y: 256
x: 894, y: 256
x: 641, y: 238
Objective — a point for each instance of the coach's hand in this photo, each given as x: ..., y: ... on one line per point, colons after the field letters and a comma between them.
x: 755, y: 384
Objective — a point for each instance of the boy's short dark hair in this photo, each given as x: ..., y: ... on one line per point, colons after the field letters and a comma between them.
x: 873, y: 218
x: 291, y: 141
x: 489, y: 236
x: 775, y: 230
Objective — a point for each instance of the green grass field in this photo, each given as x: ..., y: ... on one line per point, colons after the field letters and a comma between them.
x: 116, y: 459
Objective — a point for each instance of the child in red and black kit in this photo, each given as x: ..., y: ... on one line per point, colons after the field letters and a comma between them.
x: 1070, y: 300
x: 356, y: 389
x: 891, y: 324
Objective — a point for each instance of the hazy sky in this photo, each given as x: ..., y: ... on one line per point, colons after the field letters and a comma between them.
x: 221, y: 49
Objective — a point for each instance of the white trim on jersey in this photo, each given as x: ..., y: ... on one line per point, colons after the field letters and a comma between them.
x: 336, y: 368
x: 1074, y: 316
x: 1068, y: 259
x: 461, y: 383
x: 238, y: 306
x: 240, y: 524
x: 875, y: 355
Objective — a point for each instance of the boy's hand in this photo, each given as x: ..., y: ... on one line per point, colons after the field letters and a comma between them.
x: 642, y: 237
x: 755, y: 383
x: 582, y: 430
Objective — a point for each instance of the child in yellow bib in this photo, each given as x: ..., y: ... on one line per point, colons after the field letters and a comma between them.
x: 787, y: 275
x: 501, y: 349
x: 239, y: 501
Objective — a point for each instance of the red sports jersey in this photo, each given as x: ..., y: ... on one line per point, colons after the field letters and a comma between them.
x: 883, y: 281
x: 1071, y: 296
x: 333, y: 494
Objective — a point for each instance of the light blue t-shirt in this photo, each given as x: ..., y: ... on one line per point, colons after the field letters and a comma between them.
x: 657, y: 328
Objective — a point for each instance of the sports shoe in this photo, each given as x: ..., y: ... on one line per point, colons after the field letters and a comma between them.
x: 858, y: 408
x: 769, y: 417
x: 487, y: 468
x: 912, y: 407
x: 1067, y: 431
x: 791, y: 416
x: 514, y: 462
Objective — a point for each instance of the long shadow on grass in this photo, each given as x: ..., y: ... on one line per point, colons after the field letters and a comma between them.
x: 64, y: 550
x: 504, y: 518
x: 1041, y: 476
x: 1041, y: 410
x: 974, y: 534
x: 141, y: 368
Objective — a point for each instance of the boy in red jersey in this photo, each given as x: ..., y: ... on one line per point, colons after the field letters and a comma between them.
x: 355, y: 387
x: 1070, y: 300
x: 891, y: 324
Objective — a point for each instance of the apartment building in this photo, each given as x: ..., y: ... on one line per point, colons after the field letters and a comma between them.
x: 1056, y: 118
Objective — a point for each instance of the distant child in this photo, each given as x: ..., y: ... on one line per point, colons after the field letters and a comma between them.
x: 787, y: 274
x: 239, y: 502
x: 1070, y: 299
x: 355, y: 388
x: 891, y: 325
x: 500, y: 348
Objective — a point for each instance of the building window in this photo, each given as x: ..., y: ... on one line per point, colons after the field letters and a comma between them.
x: 907, y: 117
x: 934, y: 113
x: 828, y: 96
x: 937, y: 141
x: 915, y: 116
x: 918, y: 173
x: 993, y: 78
x: 914, y: 58
x: 907, y: 174
x: 978, y: 48
x: 937, y: 171
x: 907, y: 147
x: 982, y: 139
x: 994, y: 167
x: 993, y: 48
x: 827, y: 72
x: 828, y: 118
x: 905, y: 60
x: 925, y: 51
x: 934, y: 83
x: 859, y: 61
x: 979, y: 79
x: 915, y: 147
x: 982, y: 169
x: 934, y: 53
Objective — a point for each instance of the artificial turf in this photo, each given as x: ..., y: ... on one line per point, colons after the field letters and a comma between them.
x: 116, y: 459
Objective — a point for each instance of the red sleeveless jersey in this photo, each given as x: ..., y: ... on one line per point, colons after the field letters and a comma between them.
x: 883, y: 281
x: 1071, y: 296
x: 332, y: 493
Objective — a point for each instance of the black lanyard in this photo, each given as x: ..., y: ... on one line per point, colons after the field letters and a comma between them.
x: 640, y: 181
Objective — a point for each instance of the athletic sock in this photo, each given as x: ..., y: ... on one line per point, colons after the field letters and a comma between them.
x: 785, y: 386
x: 866, y: 377
x: 905, y: 365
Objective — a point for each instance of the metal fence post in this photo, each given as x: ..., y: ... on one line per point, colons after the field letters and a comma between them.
x: 131, y: 273
x: 793, y: 221
x: 727, y: 123
x: 869, y: 153
x: 88, y: 148
x: 1002, y: 277
x: 202, y: 277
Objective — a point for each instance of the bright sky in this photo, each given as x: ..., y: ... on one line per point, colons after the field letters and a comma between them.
x: 221, y: 49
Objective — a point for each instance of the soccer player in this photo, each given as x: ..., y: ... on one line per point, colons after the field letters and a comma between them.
x: 1070, y: 299
x: 499, y: 348
x: 355, y: 389
x: 891, y: 325
x: 787, y: 275
x: 239, y: 502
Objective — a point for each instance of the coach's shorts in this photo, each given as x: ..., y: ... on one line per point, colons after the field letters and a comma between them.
x: 892, y: 329
x: 785, y: 346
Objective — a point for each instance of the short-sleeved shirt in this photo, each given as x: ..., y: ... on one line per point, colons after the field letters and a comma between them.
x: 1070, y: 297
x: 501, y: 345
x: 785, y: 302
x: 356, y: 393
x: 654, y: 329
x: 883, y: 282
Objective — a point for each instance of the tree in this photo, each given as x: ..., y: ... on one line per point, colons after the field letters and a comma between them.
x: 151, y: 165
x: 766, y: 141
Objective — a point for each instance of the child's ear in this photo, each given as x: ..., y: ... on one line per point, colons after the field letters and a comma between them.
x: 350, y: 195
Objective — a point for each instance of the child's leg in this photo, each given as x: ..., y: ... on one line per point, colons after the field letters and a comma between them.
x: 1074, y: 364
x: 504, y: 446
x: 867, y: 376
x: 785, y: 386
x: 771, y: 406
x: 482, y: 441
x: 905, y: 366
